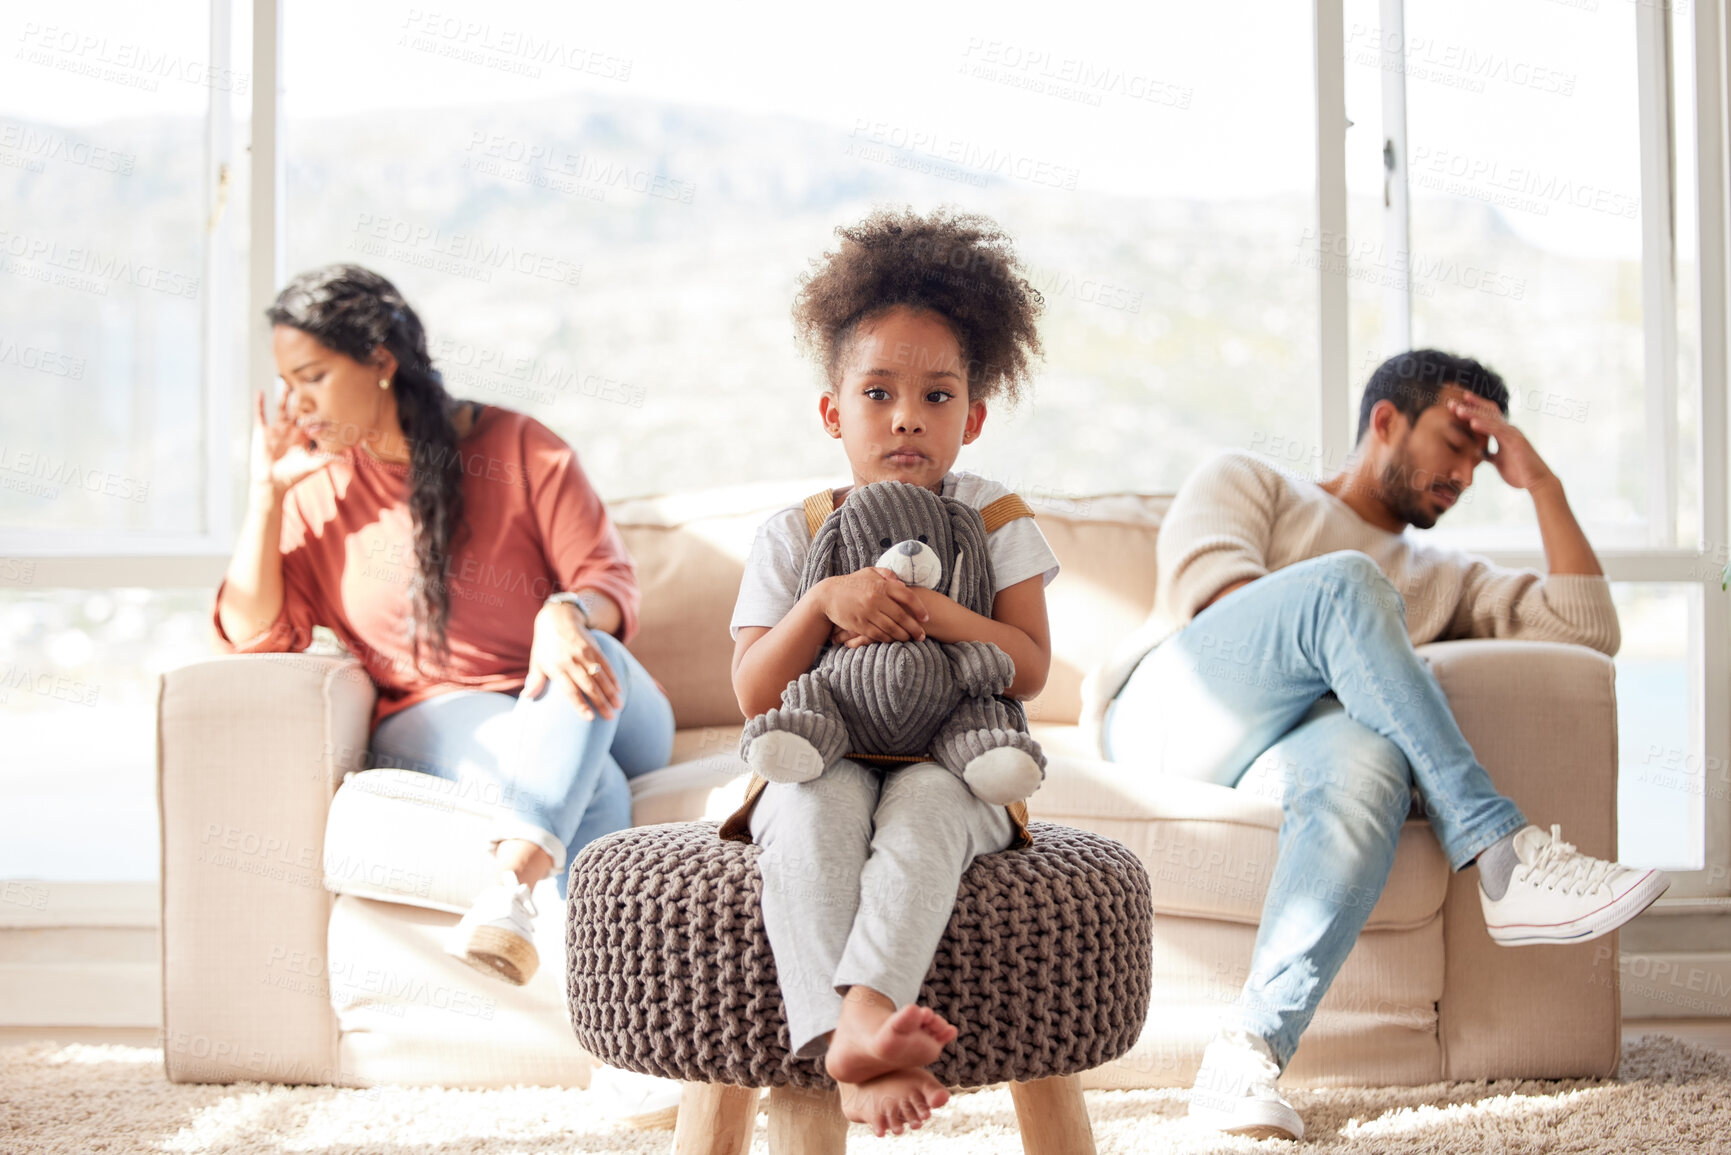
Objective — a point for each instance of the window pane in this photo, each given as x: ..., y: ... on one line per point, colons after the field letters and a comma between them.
x: 102, y: 264
x: 605, y: 225
x: 78, y: 707
x: 1663, y: 770
x: 1524, y: 159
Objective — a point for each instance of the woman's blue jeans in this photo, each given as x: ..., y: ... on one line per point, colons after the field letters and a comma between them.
x: 1311, y: 664
x: 561, y: 779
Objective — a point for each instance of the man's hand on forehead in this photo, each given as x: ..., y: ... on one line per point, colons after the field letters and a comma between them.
x: 1506, y: 447
x: 1480, y: 417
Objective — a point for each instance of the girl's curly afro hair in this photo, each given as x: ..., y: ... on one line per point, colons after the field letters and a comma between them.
x: 958, y: 265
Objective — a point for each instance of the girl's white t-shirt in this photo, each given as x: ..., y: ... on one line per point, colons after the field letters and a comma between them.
x: 770, y: 586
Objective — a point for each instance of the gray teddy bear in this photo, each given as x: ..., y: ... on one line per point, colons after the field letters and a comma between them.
x: 904, y: 698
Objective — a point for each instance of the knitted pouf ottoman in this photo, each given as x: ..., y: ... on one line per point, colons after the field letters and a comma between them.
x: 1044, y: 969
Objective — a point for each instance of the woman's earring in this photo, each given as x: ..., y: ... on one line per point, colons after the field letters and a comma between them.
x: 384, y: 382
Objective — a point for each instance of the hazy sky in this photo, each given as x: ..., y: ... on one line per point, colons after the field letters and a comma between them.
x: 1530, y: 99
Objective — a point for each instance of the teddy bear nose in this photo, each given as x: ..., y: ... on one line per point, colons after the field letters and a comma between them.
x: 910, y: 548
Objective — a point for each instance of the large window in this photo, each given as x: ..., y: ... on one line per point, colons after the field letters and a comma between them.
x: 101, y: 271
x: 119, y: 343
x: 1521, y: 188
x: 1524, y: 247
x: 604, y: 225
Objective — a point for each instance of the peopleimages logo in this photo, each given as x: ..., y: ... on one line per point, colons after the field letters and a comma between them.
x: 25, y: 356
x: 60, y: 687
x: 44, y: 467
x: 1522, y: 187
x: 121, y: 62
x: 465, y: 254
x: 521, y: 51
x: 973, y: 157
x: 93, y: 268
x: 525, y: 161
x: 37, y: 144
x: 1067, y: 77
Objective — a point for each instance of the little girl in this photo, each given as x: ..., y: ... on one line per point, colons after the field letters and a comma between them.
x: 917, y: 322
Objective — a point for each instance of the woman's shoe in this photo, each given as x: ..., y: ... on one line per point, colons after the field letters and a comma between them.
x: 497, y: 937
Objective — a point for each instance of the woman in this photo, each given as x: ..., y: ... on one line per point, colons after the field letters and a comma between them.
x: 459, y: 552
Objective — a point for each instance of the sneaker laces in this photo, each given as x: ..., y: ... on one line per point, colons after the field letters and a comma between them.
x: 1557, y: 864
x: 1236, y: 1066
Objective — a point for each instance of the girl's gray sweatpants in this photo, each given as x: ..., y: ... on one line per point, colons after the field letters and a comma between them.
x: 860, y: 870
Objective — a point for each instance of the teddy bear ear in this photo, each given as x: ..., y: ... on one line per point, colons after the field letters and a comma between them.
x: 820, y: 559
x: 969, y: 533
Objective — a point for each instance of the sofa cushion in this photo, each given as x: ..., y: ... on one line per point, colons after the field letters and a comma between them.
x: 1376, y: 1026
x: 410, y: 1014
x: 404, y: 836
x: 399, y: 836
x: 690, y: 552
x: 1106, y: 544
x: 1210, y: 849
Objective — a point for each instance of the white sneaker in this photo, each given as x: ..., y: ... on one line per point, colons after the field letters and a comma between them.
x: 496, y: 936
x: 1558, y: 894
x: 642, y: 1102
x: 1235, y: 1093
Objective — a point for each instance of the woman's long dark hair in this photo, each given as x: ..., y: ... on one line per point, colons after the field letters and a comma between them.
x: 354, y: 311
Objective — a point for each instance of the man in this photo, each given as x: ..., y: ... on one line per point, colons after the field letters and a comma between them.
x: 1285, y: 619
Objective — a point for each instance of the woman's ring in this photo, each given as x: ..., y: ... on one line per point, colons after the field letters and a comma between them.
x: 594, y: 670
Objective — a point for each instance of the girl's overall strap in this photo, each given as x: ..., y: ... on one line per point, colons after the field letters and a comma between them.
x: 1003, y: 511
x: 996, y: 514
x: 818, y: 507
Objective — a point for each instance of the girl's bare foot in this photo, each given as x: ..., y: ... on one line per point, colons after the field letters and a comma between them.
x: 873, y: 1038
x: 892, y: 1102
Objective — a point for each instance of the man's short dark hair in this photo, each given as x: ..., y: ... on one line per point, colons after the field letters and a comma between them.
x: 1411, y: 381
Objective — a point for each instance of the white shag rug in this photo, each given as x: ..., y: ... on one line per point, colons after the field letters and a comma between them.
x: 74, y: 1100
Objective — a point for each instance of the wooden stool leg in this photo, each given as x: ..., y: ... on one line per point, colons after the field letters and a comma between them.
x: 803, y: 1122
x: 715, y: 1119
x: 1053, y: 1117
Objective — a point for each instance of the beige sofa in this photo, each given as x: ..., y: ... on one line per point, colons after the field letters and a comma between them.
x: 303, y: 902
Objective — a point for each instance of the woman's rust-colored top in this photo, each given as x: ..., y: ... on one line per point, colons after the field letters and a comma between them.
x: 532, y: 525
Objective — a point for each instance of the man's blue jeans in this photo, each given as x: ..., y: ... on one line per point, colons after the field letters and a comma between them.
x: 561, y: 778
x: 1252, y: 673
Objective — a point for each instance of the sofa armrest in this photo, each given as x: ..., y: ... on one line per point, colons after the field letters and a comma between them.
x: 249, y: 751
x: 1542, y: 718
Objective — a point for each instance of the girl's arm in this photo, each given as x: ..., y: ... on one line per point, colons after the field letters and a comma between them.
x: 870, y: 602
x: 767, y: 658
x: 1017, y: 626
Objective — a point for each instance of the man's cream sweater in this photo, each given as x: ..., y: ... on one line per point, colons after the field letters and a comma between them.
x: 1239, y: 517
